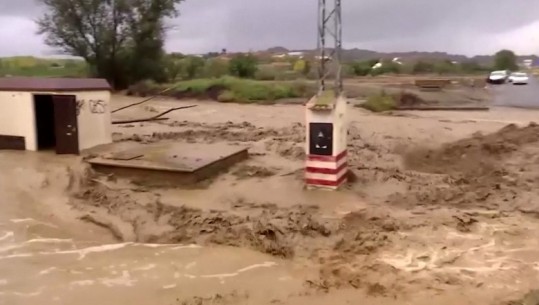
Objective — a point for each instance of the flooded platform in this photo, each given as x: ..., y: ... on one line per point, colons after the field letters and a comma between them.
x: 170, y: 164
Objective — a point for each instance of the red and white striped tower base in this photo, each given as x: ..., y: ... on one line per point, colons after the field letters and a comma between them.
x: 326, y: 171
x: 326, y: 148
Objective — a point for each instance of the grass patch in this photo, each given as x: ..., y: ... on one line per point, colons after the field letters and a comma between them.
x: 380, y: 102
x: 42, y: 67
x: 226, y: 89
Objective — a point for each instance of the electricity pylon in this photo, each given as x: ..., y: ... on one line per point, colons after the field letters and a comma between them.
x: 329, y: 44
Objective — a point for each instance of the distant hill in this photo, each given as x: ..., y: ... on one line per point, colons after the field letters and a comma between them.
x: 361, y: 54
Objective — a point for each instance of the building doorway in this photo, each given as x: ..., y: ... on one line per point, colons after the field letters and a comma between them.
x: 56, y: 123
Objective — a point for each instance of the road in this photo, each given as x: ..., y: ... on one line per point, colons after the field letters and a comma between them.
x: 517, y: 96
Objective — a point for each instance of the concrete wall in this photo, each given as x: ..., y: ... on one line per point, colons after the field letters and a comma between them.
x: 338, y: 117
x: 94, y: 118
x: 17, y: 117
x: 340, y: 133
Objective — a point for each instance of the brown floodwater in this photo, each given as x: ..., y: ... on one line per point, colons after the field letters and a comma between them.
x: 47, y: 256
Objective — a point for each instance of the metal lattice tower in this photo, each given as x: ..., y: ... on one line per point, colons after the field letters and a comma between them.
x: 329, y: 28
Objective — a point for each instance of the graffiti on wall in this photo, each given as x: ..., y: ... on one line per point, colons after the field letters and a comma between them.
x: 97, y: 106
x: 80, y: 105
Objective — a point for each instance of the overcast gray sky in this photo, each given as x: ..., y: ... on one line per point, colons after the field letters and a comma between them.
x: 458, y: 26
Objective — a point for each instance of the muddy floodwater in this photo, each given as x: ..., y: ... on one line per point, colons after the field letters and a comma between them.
x: 46, y: 260
x: 441, y: 208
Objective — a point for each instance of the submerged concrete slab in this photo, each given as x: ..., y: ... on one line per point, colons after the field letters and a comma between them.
x: 168, y: 164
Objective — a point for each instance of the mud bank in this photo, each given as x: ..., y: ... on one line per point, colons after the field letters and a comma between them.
x: 493, y: 171
x: 299, y: 233
x: 286, y: 141
x: 437, y: 221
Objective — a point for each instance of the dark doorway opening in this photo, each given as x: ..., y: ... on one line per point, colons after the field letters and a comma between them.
x: 56, y: 123
x: 45, y: 123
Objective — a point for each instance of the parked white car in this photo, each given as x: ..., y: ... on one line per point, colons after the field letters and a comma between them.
x: 498, y: 77
x: 519, y: 78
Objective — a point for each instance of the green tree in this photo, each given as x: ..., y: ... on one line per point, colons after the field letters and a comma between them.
x: 423, y: 67
x: 192, y: 67
x: 299, y: 66
x: 387, y: 66
x: 173, y: 68
x: 445, y: 67
x: 471, y: 66
x: 372, y: 62
x: 505, y: 60
x: 361, y: 68
x: 307, y: 68
x: 215, y: 67
x: 243, y: 65
x: 302, y: 67
x: 121, y: 40
x: 211, y: 54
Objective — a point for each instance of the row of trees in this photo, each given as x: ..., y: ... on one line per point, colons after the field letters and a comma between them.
x: 181, y: 67
x: 122, y: 41
x: 503, y: 60
x: 178, y: 67
x: 364, y: 68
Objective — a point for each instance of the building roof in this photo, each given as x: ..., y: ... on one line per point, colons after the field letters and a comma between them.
x: 53, y: 84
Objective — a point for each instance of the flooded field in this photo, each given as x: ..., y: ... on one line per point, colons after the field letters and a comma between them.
x: 419, y: 224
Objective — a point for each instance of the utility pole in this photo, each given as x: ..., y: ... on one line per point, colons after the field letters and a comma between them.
x: 329, y: 44
x: 327, y: 129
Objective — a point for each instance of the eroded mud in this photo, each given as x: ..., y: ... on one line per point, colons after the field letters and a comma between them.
x: 451, y: 223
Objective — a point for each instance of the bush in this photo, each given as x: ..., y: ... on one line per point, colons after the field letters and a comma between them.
x: 302, y: 67
x: 445, y: 67
x: 173, y: 68
x: 423, y: 67
x: 288, y: 75
x: 380, y: 102
x: 227, y: 89
x: 192, y: 67
x: 243, y: 66
x: 266, y: 73
x: 227, y: 96
x: 361, y: 68
x: 144, y: 88
x: 472, y: 67
x: 388, y: 67
x: 215, y: 67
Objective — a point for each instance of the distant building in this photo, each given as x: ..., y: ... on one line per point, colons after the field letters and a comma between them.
x: 318, y: 57
x: 377, y: 65
x: 527, y: 63
x: 289, y: 54
x: 279, y: 56
x: 64, y: 114
x: 295, y: 54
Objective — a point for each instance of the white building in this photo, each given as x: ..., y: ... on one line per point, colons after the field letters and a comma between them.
x: 62, y: 114
x: 527, y: 63
x: 295, y: 54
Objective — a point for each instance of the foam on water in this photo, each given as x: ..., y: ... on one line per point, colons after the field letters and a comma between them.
x: 81, y: 252
x: 222, y: 276
x: 6, y: 235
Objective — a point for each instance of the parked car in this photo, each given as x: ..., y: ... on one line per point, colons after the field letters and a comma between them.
x: 519, y: 78
x: 498, y: 77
